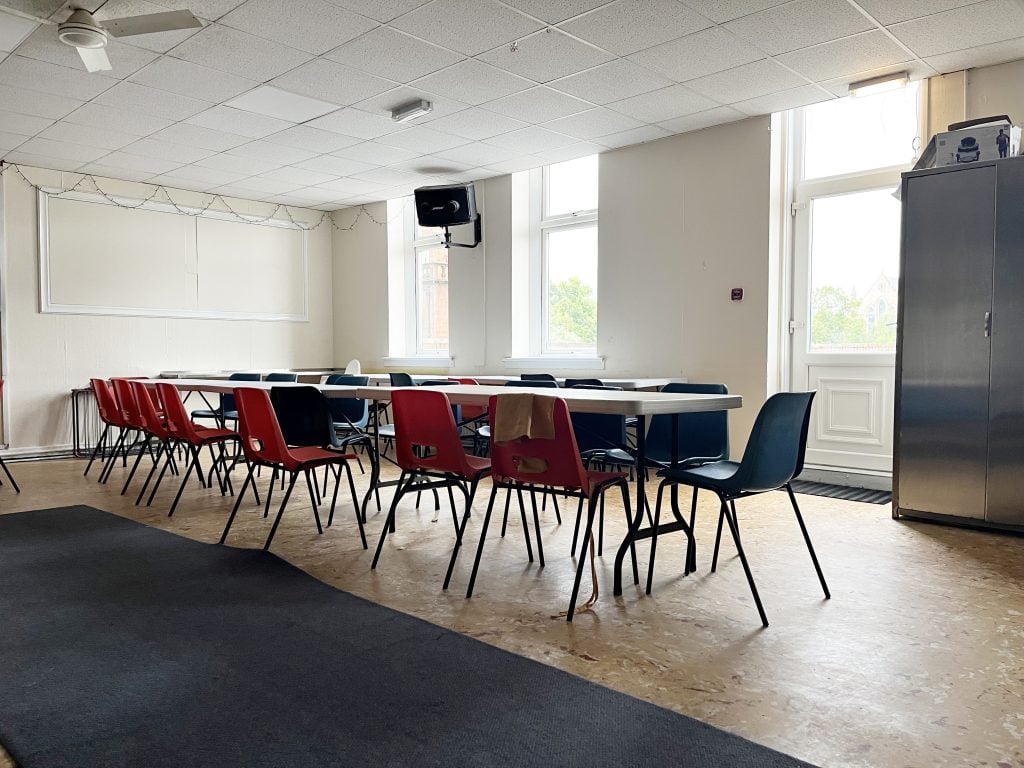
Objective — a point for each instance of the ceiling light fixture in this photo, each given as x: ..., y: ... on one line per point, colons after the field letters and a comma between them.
x: 879, y: 84
x: 411, y: 110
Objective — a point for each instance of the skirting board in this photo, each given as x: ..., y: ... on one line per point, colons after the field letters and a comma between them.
x: 848, y: 477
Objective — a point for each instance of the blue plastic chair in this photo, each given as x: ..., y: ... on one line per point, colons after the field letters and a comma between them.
x: 570, y: 383
x: 524, y: 382
x: 292, y: 378
x: 401, y: 380
x: 773, y: 457
x: 227, y: 410
x: 538, y: 377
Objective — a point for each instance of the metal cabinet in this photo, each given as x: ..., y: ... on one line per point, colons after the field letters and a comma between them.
x: 959, y: 432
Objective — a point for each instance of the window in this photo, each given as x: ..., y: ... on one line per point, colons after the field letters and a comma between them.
x: 417, y: 286
x: 564, y: 267
x: 853, y: 150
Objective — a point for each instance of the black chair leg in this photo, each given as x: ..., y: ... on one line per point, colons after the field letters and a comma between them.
x: 355, y: 501
x: 576, y: 528
x: 691, y: 546
x: 10, y: 477
x: 108, y: 466
x: 270, y: 492
x: 280, y: 512
x: 504, y: 520
x: 405, y: 480
x: 718, y: 538
x: 526, y: 527
x: 459, y: 531
x: 536, y: 527
x: 95, y: 451
x: 135, y: 466
x: 587, y: 535
x: 313, y: 499
x: 193, y: 463
x: 746, y: 566
x: 480, y: 546
x: 807, y: 540
x: 238, y: 503
x: 654, y: 536
x: 627, y: 508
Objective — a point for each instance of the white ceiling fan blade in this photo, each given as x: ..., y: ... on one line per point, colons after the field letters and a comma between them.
x: 151, y: 22
x: 95, y: 59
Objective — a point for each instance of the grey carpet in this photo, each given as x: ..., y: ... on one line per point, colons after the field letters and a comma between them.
x: 123, y: 645
x: 849, y: 493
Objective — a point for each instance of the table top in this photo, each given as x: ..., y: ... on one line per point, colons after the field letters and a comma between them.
x: 225, y: 387
x: 625, y: 383
x: 623, y: 403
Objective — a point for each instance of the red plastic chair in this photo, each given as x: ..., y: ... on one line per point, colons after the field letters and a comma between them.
x: 264, y: 445
x: 3, y: 465
x: 182, y: 430
x: 128, y: 407
x: 423, y: 420
x: 562, y: 468
x: 107, y: 407
x: 112, y: 414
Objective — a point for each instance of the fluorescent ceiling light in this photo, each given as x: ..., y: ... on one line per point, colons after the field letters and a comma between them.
x: 879, y: 84
x: 411, y: 110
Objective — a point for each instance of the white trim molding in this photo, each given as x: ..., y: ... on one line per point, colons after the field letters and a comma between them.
x: 417, y: 362
x: 556, y: 362
x: 47, y: 306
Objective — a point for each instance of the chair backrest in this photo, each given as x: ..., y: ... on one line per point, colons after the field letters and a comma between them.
x: 538, y: 377
x: 353, y: 368
x: 126, y: 405
x: 303, y: 415
x: 179, y: 425
x: 560, y: 456
x: 598, y: 431
x: 423, y: 417
x: 227, y: 402
x: 106, y: 404
x: 545, y: 383
x: 777, y: 443
x: 401, y: 380
x: 290, y: 377
x: 471, y: 412
x: 262, y: 440
x: 148, y: 416
x: 570, y: 383
x: 349, y: 410
x: 701, y: 435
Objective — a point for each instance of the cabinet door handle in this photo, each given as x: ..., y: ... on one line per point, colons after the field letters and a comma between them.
x: 988, y: 324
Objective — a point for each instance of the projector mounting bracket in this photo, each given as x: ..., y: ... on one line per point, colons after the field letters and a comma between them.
x: 477, y: 236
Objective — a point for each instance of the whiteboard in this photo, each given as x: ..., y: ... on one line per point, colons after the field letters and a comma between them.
x: 97, y: 258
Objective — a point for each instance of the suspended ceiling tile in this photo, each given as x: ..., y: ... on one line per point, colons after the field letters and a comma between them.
x: 88, y: 135
x: 894, y: 11
x: 239, y: 53
x: 237, y: 121
x: 473, y: 82
x: 702, y: 53
x: 151, y: 101
x: 531, y: 140
x: 664, y: 104
x: 634, y: 136
x: 627, y: 26
x: 749, y: 81
x: 394, y: 55
x: 467, y: 26
x: 312, y: 139
x: 424, y: 140
x: 283, y: 105
x: 138, y: 162
x: 546, y: 55
x: 706, y: 119
x: 476, y: 124
x: 188, y: 79
x: 375, y: 153
x: 357, y: 123
x: 34, y: 103
x: 205, y: 138
x: 275, y: 153
x: 721, y: 11
x: 593, y: 123
x: 609, y: 82
x: 799, y: 24
x: 315, y: 26
x: 381, y: 10
x: 165, y: 150
x: 23, y: 125
x: 538, y: 105
x: 976, y: 25
x: 981, y: 56
x: 554, y: 11
x: 784, y: 100
x: 36, y: 75
x: 117, y: 119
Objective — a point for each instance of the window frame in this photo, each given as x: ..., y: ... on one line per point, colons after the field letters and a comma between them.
x: 413, y: 244
x: 541, y: 227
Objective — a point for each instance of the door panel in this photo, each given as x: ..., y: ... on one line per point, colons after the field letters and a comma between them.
x: 947, y: 289
x: 851, y: 424
x: 1006, y: 407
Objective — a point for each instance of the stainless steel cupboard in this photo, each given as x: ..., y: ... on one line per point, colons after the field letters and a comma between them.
x: 959, y: 431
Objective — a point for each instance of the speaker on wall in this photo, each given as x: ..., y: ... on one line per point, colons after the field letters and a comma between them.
x: 446, y: 206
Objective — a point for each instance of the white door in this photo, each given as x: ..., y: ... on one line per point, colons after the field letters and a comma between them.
x: 845, y: 273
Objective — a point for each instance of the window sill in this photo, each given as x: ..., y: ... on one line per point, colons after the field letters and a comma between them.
x: 417, y: 362
x: 555, y: 362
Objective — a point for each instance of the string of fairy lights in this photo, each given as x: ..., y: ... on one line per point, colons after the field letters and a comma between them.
x: 88, y: 183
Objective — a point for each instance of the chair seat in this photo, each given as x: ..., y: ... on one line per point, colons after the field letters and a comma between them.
x: 213, y: 435
x: 610, y: 456
x: 308, y: 456
x: 600, y: 478
x: 386, y: 430
x: 205, y: 413
x: 717, y: 476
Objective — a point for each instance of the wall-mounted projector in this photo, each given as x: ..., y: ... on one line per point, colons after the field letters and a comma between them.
x: 448, y: 206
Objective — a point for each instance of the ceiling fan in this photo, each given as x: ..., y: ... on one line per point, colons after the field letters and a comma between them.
x: 89, y: 37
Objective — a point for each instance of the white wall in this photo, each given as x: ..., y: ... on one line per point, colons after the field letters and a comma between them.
x: 996, y: 90
x: 49, y: 354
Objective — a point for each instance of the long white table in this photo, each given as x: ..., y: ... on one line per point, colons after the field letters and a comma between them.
x: 636, y: 403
